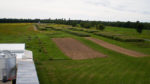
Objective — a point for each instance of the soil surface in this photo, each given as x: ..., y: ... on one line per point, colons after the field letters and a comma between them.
x: 76, y: 50
x: 116, y: 48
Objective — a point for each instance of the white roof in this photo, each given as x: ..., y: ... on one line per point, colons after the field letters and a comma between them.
x: 15, y: 46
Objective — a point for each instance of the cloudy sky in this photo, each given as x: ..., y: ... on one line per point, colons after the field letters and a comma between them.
x: 105, y: 10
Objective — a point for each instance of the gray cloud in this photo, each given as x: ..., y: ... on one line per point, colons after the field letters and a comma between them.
x: 98, y: 2
x: 138, y: 6
x: 108, y: 10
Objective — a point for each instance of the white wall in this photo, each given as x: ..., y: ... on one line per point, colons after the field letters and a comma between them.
x: 20, y: 46
x: 14, y: 47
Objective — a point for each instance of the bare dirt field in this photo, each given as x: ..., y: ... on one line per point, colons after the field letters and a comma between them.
x: 75, y: 49
x: 116, y: 48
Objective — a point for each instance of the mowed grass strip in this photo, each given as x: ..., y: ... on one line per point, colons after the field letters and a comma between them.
x: 75, y: 49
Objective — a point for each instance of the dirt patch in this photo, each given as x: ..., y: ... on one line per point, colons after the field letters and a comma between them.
x: 116, y: 48
x: 35, y: 28
x: 75, y: 49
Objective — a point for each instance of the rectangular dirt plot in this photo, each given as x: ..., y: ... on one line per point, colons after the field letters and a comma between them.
x: 75, y: 49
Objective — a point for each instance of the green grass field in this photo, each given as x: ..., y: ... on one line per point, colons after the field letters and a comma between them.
x: 128, y: 31
x: 115, y: 69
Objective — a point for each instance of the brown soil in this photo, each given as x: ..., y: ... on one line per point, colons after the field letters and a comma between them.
x: 75, y: 49
x: 116, y: 48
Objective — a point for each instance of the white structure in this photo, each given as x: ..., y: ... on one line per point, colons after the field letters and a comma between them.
x: 26, y: 71
x: 17, y: 49
x: 7, y: 66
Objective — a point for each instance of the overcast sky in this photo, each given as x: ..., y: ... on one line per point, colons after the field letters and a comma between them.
x: 105, y: 10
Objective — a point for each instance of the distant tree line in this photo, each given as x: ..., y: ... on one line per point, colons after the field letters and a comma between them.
x: 87, y: 24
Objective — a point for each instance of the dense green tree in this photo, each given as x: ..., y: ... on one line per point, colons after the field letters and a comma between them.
x: 82, y: 23
x: 85, y: 24
x: 100, y: 27
x: 73, y: 24
x: 139, y: 27
x: 127, y: 24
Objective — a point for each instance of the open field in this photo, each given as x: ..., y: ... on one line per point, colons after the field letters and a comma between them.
x: 54, y: 67
x: 128, y: 31
x: 75, y: 49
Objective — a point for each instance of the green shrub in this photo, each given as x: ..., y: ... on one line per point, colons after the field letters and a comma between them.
x: 86, y: 30
x: 119, y: 37
x: 139, y: 27
x: 128, y: 39
x: 100, y: 27
x: 48, y: 27
x: 85, y: 24
x: 76, y: 29
x: 72, y: 32
x: 91, y: 31
x: 106, y: 34
x: 56, y: 29
x: 43, y: 29
x: 78, y: 33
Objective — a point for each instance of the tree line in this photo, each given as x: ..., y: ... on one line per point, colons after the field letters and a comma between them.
x: 82, y: 23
